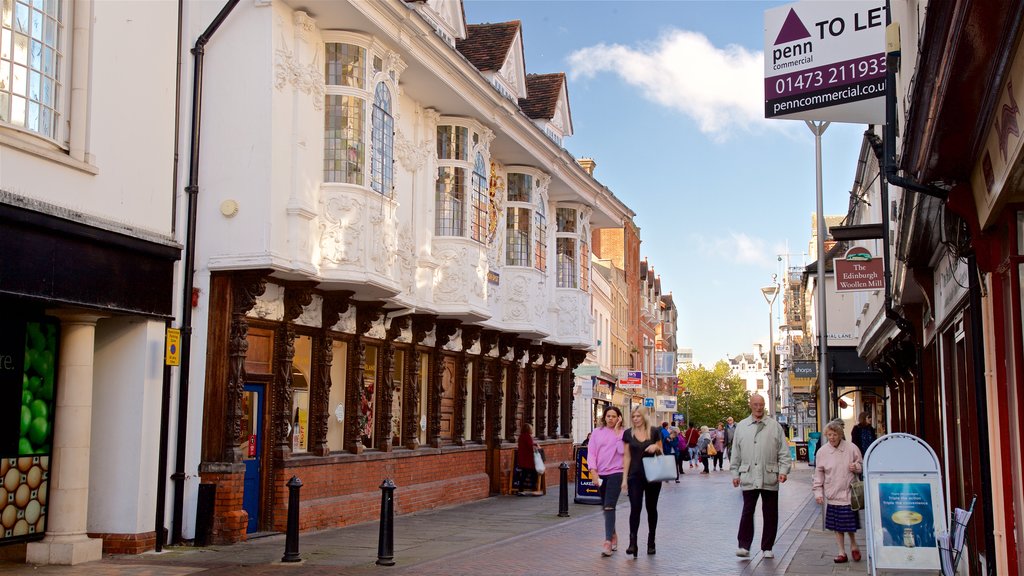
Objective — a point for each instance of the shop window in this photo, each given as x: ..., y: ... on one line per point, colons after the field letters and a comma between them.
x: 398, y: 379
x: 467, y: 411
x: 301, y: 364
x: 424, y: 387
x: 336, y: 398
x: 367, y: 396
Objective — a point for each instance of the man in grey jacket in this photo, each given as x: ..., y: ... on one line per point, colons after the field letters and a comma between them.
x: 759, y: 462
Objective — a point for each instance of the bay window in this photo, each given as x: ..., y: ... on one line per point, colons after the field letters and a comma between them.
x: 525, y: 219
x: 359, y: 109
x: 461, y: 198
x: 572, y: 248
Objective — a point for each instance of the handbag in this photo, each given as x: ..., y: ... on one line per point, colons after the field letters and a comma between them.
x: 711, y: 450
x: 659, y: 468
x: 857, y: 494
x: 538, y: 462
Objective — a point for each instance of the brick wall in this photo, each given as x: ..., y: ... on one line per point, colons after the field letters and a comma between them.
x: 229, y: 519
x: 126, y: 543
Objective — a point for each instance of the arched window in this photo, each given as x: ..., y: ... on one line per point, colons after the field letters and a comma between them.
x: 382, y: 142
x: 478, y: 225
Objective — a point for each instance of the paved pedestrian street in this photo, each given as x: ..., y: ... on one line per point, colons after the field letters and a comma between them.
x: 522, y: 536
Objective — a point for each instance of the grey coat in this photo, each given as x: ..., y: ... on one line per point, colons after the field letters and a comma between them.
x: 759, y: 454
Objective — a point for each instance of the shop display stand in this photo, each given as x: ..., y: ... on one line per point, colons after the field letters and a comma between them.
x: 951, y: 545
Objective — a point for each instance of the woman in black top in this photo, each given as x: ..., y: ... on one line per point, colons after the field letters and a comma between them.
x: 641, y: 441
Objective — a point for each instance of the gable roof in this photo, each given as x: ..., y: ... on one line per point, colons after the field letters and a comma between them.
x: 542, y: 92
x: 486, y: 46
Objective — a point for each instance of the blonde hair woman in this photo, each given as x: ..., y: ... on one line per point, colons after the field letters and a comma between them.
x: 641, y: 441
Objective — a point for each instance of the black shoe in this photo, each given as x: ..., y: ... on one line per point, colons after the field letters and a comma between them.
x: 650, y: 547
x: 631, y: 549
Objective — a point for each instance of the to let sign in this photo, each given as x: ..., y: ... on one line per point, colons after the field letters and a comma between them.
x: 632, y: 379
x: 858, y: 271
x: 825, y: 61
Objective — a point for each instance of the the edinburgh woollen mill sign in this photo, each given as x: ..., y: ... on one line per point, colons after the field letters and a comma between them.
x: 825, y: 61
x: 858, y: 271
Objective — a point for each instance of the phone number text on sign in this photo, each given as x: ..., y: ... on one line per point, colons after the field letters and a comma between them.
x: 822, y: 77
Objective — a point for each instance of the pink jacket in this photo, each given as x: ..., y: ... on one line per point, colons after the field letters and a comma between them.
x: 832, y: 475
x: 604, y: 452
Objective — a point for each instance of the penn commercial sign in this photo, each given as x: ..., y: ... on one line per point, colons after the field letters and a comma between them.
x: 825, y: 61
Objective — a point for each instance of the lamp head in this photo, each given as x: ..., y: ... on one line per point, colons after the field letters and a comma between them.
x: 770, y: 292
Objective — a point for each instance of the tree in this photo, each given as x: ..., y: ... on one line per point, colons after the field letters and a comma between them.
x: 714, y: 395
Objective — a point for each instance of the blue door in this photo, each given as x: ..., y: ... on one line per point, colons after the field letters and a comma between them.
x: 252, y: 451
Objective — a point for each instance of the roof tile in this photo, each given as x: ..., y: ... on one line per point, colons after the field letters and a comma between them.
x: 542, y: 92
x: 487, y: 45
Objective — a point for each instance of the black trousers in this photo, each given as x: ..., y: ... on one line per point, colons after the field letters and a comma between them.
x: 643, y: 492
x: 769, y: 513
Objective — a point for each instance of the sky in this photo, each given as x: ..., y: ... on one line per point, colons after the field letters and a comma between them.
x: 667, y: 98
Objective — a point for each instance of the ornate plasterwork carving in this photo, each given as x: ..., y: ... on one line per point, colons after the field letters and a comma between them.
x: 341, y: 228
x: 385, y: 246
x: 312, y: 313
x: 406, y: 259
x: 517, y: 299
x: 394, y: 65
x: 412, y: 155
x: 568, y: 316
x: 289, y: 69
x: 346, y: 321
x: 270, y: 304
x: 486, y: 137
x: 542, y: 184
x: 451, y: 279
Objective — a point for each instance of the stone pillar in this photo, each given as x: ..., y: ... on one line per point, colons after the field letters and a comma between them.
x: 66, y: 541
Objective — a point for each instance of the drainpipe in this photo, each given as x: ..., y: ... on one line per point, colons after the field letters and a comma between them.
x: 198, y: 52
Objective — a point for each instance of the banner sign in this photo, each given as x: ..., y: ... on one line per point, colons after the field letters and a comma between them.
x: 805, y: 369
x: 666, y: 403
x: 632, y: 379
x: 858, y: 271
x: 585, y: 370
x: 587, y: 491
x: 825, y: 61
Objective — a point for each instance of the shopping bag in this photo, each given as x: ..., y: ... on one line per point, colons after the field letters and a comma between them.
x: 538, y: 462
x: 659, y: 468
x: 857, y: 495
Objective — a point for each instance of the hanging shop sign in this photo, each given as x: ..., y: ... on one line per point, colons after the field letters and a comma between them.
x: 858, y: 271
x: 28, y: 367
x: 631, y: 379
x: 825, y: 61
x: 585, y: 370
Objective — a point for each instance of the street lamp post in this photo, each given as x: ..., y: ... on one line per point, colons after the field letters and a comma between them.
x: 770, y: 292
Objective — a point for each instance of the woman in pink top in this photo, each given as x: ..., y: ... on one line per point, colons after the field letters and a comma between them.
x: 836, y: 465
x: 604, y: 458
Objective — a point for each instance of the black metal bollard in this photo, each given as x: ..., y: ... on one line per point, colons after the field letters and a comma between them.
x: 291, y: 538
x: 386, y: 538
x: 563, y: 490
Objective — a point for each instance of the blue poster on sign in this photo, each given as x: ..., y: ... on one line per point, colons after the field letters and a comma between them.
x: 586, y: 490
x: 906, y: 510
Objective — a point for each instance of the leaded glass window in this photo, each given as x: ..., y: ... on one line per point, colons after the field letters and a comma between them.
x: 540, y: 244
x: 343, y: 139
x: 345, y: 64
x: 517, y: 237
x: 450, y: 201
x: 565, y: 253
x: 452, y: 142
x: 382, y: 142
x: 481, y: 202
x: 519, y: 187
x: 566, y: 218
x: 31, y: 57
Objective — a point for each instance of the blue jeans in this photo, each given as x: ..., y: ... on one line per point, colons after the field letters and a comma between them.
x: 610, y: 489
x: 694, y: 454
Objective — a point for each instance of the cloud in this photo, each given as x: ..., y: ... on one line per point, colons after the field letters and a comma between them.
x: 739, y: 248
x: 719, y: 88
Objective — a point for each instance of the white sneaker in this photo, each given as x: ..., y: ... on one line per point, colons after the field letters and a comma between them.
x: 768, y: 553
x: 742, y: 552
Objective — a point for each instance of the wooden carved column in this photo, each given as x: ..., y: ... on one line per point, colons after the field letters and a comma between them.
x: 541, y: 429
x: 245, y: 289
x: 576, y: 357
x: 355, y: 392
x: 421, y: 325
x: 295, y: 299
x: 335, y: 304
x: 510, y: 343
x: 443, y: 333
x: 499, y: 365
x: 515, y: 376
x: 532, y: 354
x: 470, y: 335
x: 554, y: 396
x: 386, y: 385
x: 484, y: 385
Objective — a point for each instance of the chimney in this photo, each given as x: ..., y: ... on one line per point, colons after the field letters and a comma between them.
x: 588, y: 164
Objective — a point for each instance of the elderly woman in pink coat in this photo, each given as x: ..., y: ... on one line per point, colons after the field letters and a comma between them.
x: 836, y: 465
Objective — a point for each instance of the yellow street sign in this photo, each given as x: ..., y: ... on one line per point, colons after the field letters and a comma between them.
x: 172, y: 355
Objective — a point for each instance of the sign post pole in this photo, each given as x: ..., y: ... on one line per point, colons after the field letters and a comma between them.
x: 818, y: 128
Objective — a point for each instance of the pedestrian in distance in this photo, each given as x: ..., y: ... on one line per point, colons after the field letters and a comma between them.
x: 718, y: 441
x: 692, y: 435
x: 641, y: 441
x: 529, y: 479
x: 604, y: 457
x: 759, y: 464
x: 863, y: 434
x: 836, y: 465
x: 730, y: 432
x: 668, y: 444
x: 682, y: 451
x: 703, y: 441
